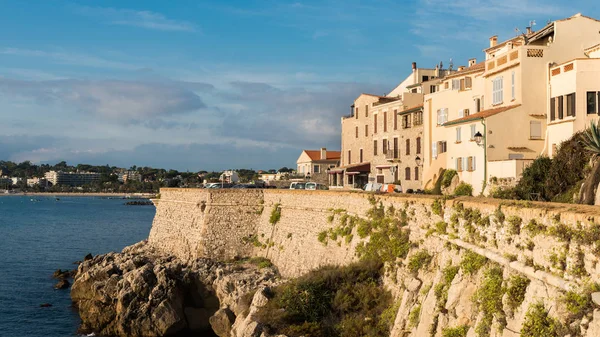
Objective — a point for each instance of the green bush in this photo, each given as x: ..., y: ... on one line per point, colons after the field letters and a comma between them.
x: 437, y: 207
x: 566, y: 170
x: 459, y: 331
x: 463, y: 189
x: 261, y: 262
x: 514, y: 223
x: 447, y: 177
x: 413, y: 317
x: 488, y: 299
x: 533, y: 179
x: 419, y: 260
x: 472, y: 262
x: 538, y: 323
x: 503, y: 193
x: 331, y: 301
x: 275, y: 214
x: 441, y: 227
x: 517, y: 286
x: 534, y: 228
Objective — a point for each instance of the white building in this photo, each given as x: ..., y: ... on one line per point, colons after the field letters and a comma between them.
x: 229, y: 176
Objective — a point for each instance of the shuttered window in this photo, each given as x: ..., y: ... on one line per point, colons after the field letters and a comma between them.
x: 497, y: 93
x: 560, y: 107
x: 418, y: 145
x: 385, y: 146
x: 458, y: 165
x: 552, y: 108
x: 356, y: 132
x: 591, y: 102
x: 571, y: 104
x: 477, y: 105
x: 375, y: 123
x: 458, y: 137
x: 366, y: 110
x: 461, y: 113
x: 535, y: 130
x: 407, y: 146
x: 395, y: 119
x: 434, y: 150
x: 416, y: 173
x: 385, y: 121
x: 468, y: 83
x: 407, y: 173
x: 360, y: 156
x: 367, y: 130
x: 375, y: 147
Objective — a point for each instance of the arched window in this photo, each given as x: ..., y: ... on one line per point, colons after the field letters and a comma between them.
x: 407, y: 173
x: 418, y: 145
x: 416, y: 173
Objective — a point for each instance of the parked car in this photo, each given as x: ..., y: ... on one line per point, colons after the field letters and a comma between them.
x: 315, y: 186
x: 297, y: 186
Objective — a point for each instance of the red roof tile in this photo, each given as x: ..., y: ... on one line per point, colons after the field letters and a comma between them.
x: 482, y: 114
x: 316, y: 154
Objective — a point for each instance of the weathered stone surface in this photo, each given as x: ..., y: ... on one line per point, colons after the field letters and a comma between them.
x: 62, y: 284
x: 596, y: 298
x: 142, y: 293
x: 222, y: 321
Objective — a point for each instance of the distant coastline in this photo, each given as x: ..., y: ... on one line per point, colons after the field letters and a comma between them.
x: 84, y: 194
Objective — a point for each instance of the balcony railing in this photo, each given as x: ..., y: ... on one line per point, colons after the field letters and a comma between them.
x: 392, y: 154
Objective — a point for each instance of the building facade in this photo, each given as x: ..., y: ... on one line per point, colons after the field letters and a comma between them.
x: 71, y: 178
x: 316, y: 164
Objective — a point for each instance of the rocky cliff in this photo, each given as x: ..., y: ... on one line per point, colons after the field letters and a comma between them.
x: 473, y: 267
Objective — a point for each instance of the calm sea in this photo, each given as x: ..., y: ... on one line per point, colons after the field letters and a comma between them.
x: 41, y: 234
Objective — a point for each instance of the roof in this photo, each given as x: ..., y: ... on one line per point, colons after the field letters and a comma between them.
x: 499, y: 45
x: 411, y: 109
x: 587, y: 51
x: 472, y: 69
x: 482, y: 114
x: 316, y: 155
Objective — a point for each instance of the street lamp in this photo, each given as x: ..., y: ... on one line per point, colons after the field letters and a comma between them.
x: 478, y: 138
x: 418, y: 160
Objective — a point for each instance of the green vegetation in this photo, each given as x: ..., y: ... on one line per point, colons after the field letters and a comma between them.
x: 580, y: 303
x: 331, y: 301
x: 459, y: 331
x: 437, y: 207
x: 472, y: 262
x: 488, y: 299
x: 275, y: 214
x: 534, y: 228
x: 322, y: 237
x: 253, y: 239
x: 441, y: 227
x: 447, y: 177
x: 499, y: 215
x: 463, y: 189
x: 514, y: 224
x: 539, y: 323
x: 515, y: 291
x: 413, y: 317
x: 441, y: 289
x: 419, y: 260
x: 261, y: 262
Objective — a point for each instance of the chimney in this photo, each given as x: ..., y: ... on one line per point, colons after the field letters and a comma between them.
x: 528, y: 30
x: 414, y: 66
x: 493, y: 41
x: 460, y: 68
x: 323, y: 153
x: 472, y: 62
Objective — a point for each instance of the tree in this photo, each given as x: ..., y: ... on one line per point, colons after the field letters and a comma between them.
x: 533, y: 181
x: 591, y: 141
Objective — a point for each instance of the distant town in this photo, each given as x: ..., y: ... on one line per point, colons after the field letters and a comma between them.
x: 62, y: 177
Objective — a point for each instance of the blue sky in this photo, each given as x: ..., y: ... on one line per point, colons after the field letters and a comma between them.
x: 211, y: 85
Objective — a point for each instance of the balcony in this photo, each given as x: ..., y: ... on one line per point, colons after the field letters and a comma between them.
x: 392, y: 155
x: 512, y: 57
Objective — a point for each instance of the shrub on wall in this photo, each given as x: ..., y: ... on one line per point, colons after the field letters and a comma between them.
x: 533, y: 180
x: 447, y: 177
x: 463, y: 189
x: 567, y: 167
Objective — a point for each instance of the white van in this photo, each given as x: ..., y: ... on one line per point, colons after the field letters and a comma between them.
x: 297, y: 185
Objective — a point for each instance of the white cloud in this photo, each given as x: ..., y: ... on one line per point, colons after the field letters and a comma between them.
x: 69, y: 58
x: 135, y: 18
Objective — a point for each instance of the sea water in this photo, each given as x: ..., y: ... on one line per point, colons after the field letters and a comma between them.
x: 41, y: 234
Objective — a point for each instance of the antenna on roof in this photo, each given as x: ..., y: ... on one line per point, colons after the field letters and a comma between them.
x: 532, y: 23
x: 517, y: 31
x: 451, y: 64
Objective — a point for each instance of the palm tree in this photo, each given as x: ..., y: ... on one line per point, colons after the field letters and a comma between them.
x: 591, y: 140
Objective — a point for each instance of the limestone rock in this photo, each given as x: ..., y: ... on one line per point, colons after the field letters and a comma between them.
x: 222, y: 321
x: 596, y: 298
x: 62, y: 284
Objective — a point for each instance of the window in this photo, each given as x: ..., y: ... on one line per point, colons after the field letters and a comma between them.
x: 458, y: 138
x: 418, y: 119
x: 441, y: 147
x: 591, y: 102
x: 466, y: 112
x: 356, y: 113
x: 552, y: 108
x: 395, y: 147
x: 407, y: 173
x: 535, y: 130
x: 458, y: 164
x: 414, y: 91
x: 512, y: 85
x: 406, y: 121
x: 416, y: 173
x: 468, y: 82
x: 571, y: 104
x: 385, y: 146
x: 425, y: 78
x: 455, y: 84
x: 366, y: 130
x: 375, y: 123
x: 560, y: 107
x: 497, y: 92
x: 385, y: 121
x: 442, y: 116
x: 375, y: 147
x: 316, y: 169
x: 434, y: 150
x: 360, y: 156
x: 461, y: 113
x: 470, y: 164
x: 356, y: 132
x: 477, y: 104
x: 446, y: 85
x: 462, y: 84
x: 367, y: 110
x: 395, y: 119
x: 407, y: 147
x: 349, y: 157
x: 418, y: 145
x: 432, y: 88
x: 473, y: 131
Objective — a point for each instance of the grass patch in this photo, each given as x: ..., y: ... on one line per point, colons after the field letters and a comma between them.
x: 472, y: 262
x: 459, y: 331
x: 514, y: 224
x: 488, y: 299
x: 419, y: 260
x: 538, y: 323
x: 261, y: 262
x: 413, y: 317
x: 515, y: 291
x: 275, y: 214
x: 331, y: 301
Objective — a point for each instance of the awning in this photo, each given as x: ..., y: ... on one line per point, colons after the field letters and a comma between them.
x: 336, y: 171
x: 362, y: 167
x: 352, y: 173
x: 383, y: 166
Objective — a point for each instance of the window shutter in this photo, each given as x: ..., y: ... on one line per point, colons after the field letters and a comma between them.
x: 468, y: 82
x: 552, y: 108
x: 477, y: 105
x: 512, y: 87
x: 469, y: 163
x: 474, y: 161
x: 535, y: 130
x: 456, y: 164
x: 462, y: 84
x: 473, y: 131
x: 461, y: 113
x: 573, y: 105
x: 458, y: 134
x: 464, y: 163
x: 434, y: 150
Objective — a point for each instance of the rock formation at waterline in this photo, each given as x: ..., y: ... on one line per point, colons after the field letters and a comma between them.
x: 140, y: 293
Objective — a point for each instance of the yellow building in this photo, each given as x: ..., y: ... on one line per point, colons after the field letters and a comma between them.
x: 506, y: 102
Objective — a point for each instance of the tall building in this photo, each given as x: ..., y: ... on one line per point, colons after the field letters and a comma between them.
x: 71, y: 178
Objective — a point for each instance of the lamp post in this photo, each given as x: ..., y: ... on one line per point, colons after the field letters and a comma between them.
x: 418, y: 161
x: 479, y: 138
